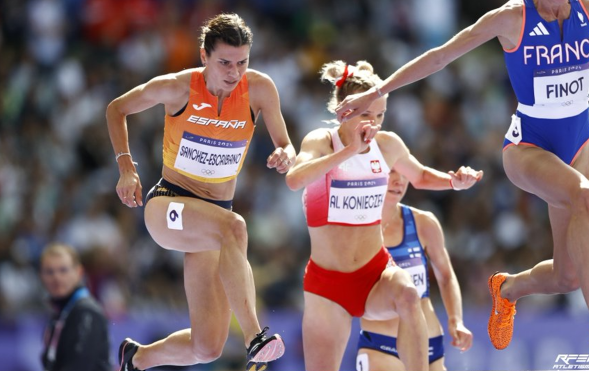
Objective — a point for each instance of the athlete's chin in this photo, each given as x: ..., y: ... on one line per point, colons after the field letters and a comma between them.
x: 393, y: 197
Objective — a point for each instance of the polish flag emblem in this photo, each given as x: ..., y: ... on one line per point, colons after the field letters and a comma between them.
x: 375, y: 166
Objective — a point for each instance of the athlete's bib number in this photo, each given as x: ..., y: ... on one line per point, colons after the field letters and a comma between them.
x: 362, y: 362
x: 356, y: 201
x: 209, y: 158
x: 562, y: 85
x: 414, y: 266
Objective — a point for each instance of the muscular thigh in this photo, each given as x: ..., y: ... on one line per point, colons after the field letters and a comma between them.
x: 326, y: 329
x: 542, y: 173
x: 209, y: 309
x: 581, y: 162
x: 380, y: 304
x: 189, y: 224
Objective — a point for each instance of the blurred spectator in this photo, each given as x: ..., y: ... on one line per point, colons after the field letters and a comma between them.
x: 76, y: 337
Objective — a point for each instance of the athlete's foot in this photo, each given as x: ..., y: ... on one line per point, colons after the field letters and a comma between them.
x: 500, y: 326
x: 127, y: 350
x: 263, y: 349
x: 253, y: 366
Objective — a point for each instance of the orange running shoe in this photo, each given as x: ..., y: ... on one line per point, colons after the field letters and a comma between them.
x: 500, y: 326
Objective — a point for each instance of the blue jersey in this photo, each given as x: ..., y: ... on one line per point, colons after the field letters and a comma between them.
x: 549, y: 68
x: 410, y: 255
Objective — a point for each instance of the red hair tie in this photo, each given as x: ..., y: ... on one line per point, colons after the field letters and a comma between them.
x: 341, y: 81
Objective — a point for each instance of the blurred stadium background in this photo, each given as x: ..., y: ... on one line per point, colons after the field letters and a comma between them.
x: 63, y: 61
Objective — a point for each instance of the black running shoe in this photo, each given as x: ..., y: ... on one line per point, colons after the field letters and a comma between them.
x: 127, y: 350
x: 263, y: 349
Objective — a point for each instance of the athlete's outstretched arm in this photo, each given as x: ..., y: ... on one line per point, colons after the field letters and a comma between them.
x: 420, y: 176
x: 497, y: 23
x: 265, y: 99
x: 431, y: 235
x: 163, y: 89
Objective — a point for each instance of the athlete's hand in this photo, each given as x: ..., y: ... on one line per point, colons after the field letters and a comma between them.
x: 129, y: 189
x: 465, y: 178
x: 280, y: 161
x: 461, y: 336
x: 353, y: 105
x: 364, y: 133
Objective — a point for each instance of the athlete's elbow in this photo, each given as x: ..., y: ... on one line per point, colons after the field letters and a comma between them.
x: 113, y: 109
x: 438, y: 59
x: 293, y: 182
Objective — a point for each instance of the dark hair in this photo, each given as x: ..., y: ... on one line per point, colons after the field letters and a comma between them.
x: 59, y: 249
x: 360, y: 78
x: 228, y: 28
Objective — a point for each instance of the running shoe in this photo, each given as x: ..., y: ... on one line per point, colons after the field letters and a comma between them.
x: 127, y: 350
x: 500, y: 326
x: 253, y: 366
x: 263, y: 349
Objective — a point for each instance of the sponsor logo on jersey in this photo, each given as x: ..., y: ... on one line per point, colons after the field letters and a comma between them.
x: 201, y: 106
x: 539, y: 30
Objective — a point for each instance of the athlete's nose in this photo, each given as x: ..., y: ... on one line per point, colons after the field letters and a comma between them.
x: 234, y: 72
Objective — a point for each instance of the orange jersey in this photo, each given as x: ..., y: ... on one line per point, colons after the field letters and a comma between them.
x: 205, y: 146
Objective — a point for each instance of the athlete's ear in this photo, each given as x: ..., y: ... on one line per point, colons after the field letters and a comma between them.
x: 203, y: 56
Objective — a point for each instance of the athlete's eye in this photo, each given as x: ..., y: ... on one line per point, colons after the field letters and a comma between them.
x: 242, y: 63
x: 224, y: 63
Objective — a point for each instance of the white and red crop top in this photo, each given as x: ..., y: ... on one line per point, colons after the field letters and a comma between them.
x: 352, y: 193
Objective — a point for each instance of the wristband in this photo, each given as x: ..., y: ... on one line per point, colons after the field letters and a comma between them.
x: 120, y: 154
x: 380, y: 94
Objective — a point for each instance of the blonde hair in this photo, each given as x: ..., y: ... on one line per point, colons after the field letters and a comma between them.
x: 360, y: 78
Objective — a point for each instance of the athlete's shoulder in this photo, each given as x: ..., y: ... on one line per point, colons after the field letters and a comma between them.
x: 318, y: 135
x: 426, y: 222
x: 255, y: 77
x: 261, y: 88
x: 389, y: 141
x: 423, y: 215
x: 387, y: 136
x: 174, y: 81
x: 512, y: 10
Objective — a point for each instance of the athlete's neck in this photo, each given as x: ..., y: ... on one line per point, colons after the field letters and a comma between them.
x: 214, y: 90
x: 552, y: 10
x: 391, y: 214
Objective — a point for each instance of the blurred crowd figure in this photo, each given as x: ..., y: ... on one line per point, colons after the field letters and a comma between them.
x: 76, y: 336
x: 62, y: 61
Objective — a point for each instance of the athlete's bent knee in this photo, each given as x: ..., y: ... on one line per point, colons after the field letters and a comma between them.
x: 407, y: 300
x: 206, y: 353
x: 567, y: 283
x: 235, y: 232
